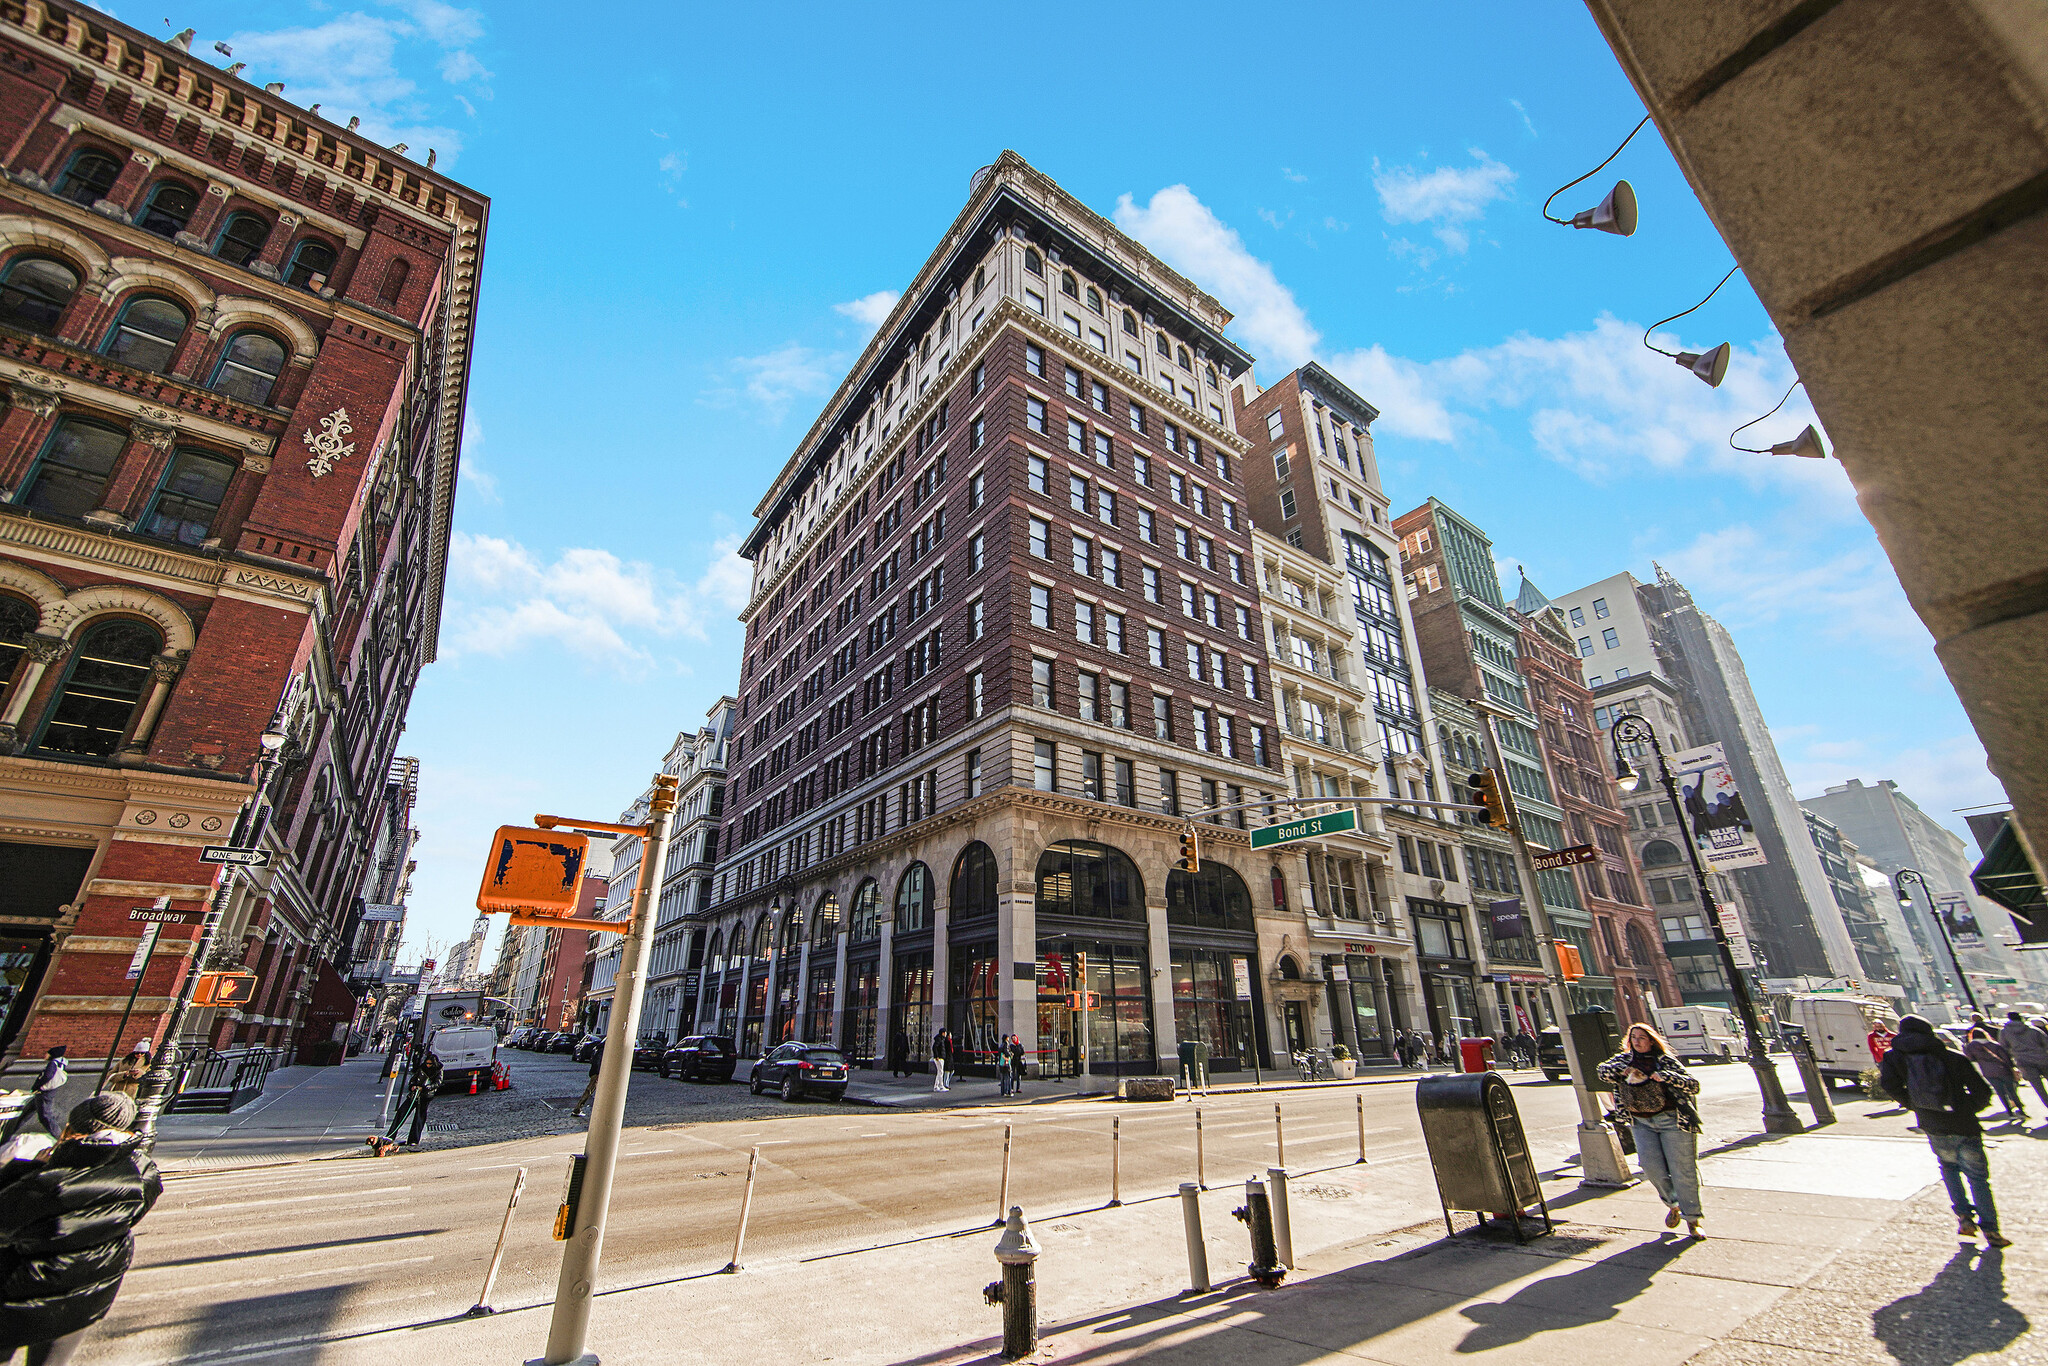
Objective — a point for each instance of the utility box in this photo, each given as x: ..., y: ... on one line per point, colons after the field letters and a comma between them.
x: 1597, y: 1037
x: 1477, y: 1149
x: 1194, y: 1063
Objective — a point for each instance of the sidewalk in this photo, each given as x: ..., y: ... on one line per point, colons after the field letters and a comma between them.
x: 915, y: 1092
x: 1828, y: 1248
x: 304, y: 1113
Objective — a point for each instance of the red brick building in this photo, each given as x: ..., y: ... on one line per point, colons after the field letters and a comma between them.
x: 235, y: 341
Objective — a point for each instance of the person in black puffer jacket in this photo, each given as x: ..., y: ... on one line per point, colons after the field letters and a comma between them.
x: 1944, y: 1090
x: 66, y: 1226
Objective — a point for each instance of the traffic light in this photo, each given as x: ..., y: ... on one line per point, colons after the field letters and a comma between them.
x: 1190, y: 851
x: 1487, y: 791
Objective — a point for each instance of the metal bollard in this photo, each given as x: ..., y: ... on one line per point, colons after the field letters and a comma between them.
x: 1258, y: 1217
x: 1116, y: 1163
x: 1279, y: 1137
x: 483, y: 1301
x: 739, y: 1238
x: 1198, y: 1251
x: 1361, y: 1131
x: 1017, y: 1291
x: 1283, y: 1221
x: 1816, y: 1085
x: 1200, y: 1179
x: 1003, y: 1201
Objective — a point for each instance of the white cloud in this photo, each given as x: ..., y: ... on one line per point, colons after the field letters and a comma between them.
x: 729, y: 580
x: 1526, y: 123
x: 1750, y: 577
x: 1444, y: 197
x: 1288, y: 173
x: 787, y: 372
x: 601, y: 609
x: 462, y: 66
x: 1940, y: 776
x: 472, y: 471
x: 1182, y: 232
x: 870, y: 310
x: 672, y: 165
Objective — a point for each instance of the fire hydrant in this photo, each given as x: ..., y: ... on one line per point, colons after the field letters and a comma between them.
x: 1257, y: 1215
x: 1017, y: 1291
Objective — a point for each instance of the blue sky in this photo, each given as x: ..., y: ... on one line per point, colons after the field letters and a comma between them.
x: 699, y: 211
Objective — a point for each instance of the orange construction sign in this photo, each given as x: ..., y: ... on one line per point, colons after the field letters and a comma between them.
x: 533, y: 871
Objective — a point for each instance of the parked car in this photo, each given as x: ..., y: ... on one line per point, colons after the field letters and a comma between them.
x: 1550, y: 1055
x: 801, y: 1069
x: 700, y: 1057
x: 649, y: 1050
x: 467, y: 1054
x: 588, y: 1047
x: 563, y: 1042
x: 522, y: 1037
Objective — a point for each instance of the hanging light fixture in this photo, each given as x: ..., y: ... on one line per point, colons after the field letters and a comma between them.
x: 1616, y: 213
x: 1710, y: 366
x: 1807, y: 443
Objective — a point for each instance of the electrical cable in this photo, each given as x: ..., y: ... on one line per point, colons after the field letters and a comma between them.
x: 1694, y: 309
x: 1566, y: 222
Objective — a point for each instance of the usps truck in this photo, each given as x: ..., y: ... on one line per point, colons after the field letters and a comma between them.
x: 1702, y: 1033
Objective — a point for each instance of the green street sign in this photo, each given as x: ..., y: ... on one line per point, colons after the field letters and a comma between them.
x: 2003, y: 981
x: 1306, y: 829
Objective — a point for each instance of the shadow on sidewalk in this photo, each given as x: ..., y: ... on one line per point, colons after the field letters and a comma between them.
x: 1960, y: 1313
x: 1592, y: 1294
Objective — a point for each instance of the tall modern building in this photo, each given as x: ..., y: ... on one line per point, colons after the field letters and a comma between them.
x: 1892, y: 831
x: 1624, y: 629
x: 237, y: 345
x: 1839, y: 856
x: 1003, y: 642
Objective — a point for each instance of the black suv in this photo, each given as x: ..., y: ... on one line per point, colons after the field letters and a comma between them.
x: 700, y: 1057
x: 1550, y: 1055
x: 801, y: 1069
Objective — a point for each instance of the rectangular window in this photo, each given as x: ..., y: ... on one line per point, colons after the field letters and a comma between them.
x: 1091, y: 775
x: 1194, y: 661
x: 1112, y: 568
x: 974, y: 556
x: 1084, y: 557
x: 1120, y: 705
x: 974, y: 696
x: 1226, y: 742
x: 1133, y: 364
x: 1585, y: 646
x: 1041, y: 535
x: 1275, y: 424
x: 1578, y: 616
x: 1162, y: 717
x: 1137, y: 419
x: 1098, y: 341
x: 975, y: 433
x: 1041, y: 683
x: 1155, y: 646
x: 1611, y: 638
x: 1251, y: 681
x: 1041, y: 606
x: 976, y: 490
x: 1288, y: 509
x: 1259, y: 746
x: 974, y: 620
x: 1169, y: 792
x: 1126, y: 784
x: 1146, y: 531
x: 1071, y: 323
x: 1141, y: 468
x: 1042, y: 772
x: 1087, y: 689
x: 1187, y: 599
x: 1113, y: 632
x: 1034, y: 414
x: 1244, y: 623
x: 1151, y: 576
x: 1212, y: 612
x: 1219, y: 669
x: 1098, y: 397
x: 1105, y: 454
x: 973, y: 773
x: 1077, y: 436
x: 1084, y: 622
x: 1034, y: 360
x: 1034, y: 473
x: 1036, y: 301
x: 1201, y: 729
x: 980, y: 379
x: 1105, y: 506
x: 1077, y: 494
x: 1600, y: 608
x: 1073, y: 382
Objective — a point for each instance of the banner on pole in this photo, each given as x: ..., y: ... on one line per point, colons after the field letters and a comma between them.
x: 143, y: 949
x: 1960, y: 921
x: 1506, y: 916
x: 1721, y: 828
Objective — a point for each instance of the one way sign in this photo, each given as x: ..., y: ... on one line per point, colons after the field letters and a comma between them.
x: 227, y: 853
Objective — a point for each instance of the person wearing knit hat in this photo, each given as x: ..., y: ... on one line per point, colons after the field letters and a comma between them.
x: 1924, y: 1073
x: 67, y: 1229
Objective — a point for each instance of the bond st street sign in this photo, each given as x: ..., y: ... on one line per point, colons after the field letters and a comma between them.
x: 1308, y: 828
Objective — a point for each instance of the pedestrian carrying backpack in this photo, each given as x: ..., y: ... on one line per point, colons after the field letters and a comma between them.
x: 1927, y: 1082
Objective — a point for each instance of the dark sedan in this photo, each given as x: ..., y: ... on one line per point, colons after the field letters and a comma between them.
x: 588, y: 1047
x: 700, y: 1057
x: 801, y: 1069
x: 564, y: 1042
x: 649, y: 1050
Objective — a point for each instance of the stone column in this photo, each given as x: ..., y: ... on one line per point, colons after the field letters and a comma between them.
x: 140, y: 468
x: 942, y: 968
x: 885, y: 992
x: 270, y: 261
x: 31, y: 416
x: 838, y: 1025
x: 126, y: 194
x: 198, y: 233
x: 43, y: 651
x: 164, y: 670
x: 1159, y: 985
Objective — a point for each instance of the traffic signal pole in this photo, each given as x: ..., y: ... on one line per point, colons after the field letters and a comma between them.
x: 569, y: 1329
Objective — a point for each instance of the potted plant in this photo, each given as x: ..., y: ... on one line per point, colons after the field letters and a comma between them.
x: 1342, y: 1065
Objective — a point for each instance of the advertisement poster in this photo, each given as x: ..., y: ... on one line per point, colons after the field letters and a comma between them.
x: 1720, y: 824
x: 1507, y: 918
x: 1960, y: 921
x: 1241, y: 970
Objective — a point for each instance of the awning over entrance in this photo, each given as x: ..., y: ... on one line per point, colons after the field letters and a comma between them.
x: 2007, y: 877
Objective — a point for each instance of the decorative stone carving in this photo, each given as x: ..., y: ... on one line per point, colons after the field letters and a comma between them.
x: 145, y: 818
x: 288, y: 220
x: 163, y: 417
x: 217, y: 190
x: 44, y: 649
x: 107, y: 208
x: 166, y: 668
x: 256, y: 464
x: 158, y: 439
x: 191, y: 241
x: 36, y: 401
x: 210, y: 824
x: 144, y: 160
x: 179, y: 820
x: 36, y: 379
x: 328, y: 447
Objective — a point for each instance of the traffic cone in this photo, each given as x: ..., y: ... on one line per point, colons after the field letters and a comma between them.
x: 472, y: 1083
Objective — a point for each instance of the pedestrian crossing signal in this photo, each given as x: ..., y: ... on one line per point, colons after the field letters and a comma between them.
x: 1190, y: 851
x: 1487, y: 791
x: 1083, y: 1000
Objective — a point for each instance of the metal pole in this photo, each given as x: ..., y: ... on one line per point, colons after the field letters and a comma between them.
x: 1899, y: 881
x: 483, y: 1301
x: 1201, y: 1178
x: 1279, y: 1136
x: 1361, y: 1131
x: 1779, y: 1117
x: 384, y: 1115
x: 1198, y: 1251
x: 1003, y: 1203
x: 1116, y: 1162
x: 1283, y: 1223
x: 570, y: 1327
x: 739, y: 1237
x: 153, y: 932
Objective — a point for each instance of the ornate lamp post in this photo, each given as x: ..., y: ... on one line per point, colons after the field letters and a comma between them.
x: 1899, y: 881
x: 1778, y: 1114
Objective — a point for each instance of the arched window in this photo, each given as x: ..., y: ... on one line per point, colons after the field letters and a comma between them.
x: 825, y: 925
x: 168, y: 209
x: 189, y: 498
x: 71, y: 476
x: 914, y: 899
x: 1661, y: 854
x: 717, y: 949
x: 764, y: 937
x: 1094, y: 299
x: 1183, y: 359
x: 865, y: 921
x: 18, y: 620
x: 1279, y: 880
x: 1210, y: 370
x: 241, y: 240
x: 1068, y: 285
x: 793, y: 929
x: 249, y: 367
x: 1032, y: 262
x: 312, y: 260
x: 34, y: 292
x: 974, y: 883
x: 1290, y: 970
x: 980, y: 279
x: 1212, y: 898
x: 146, y: 334
x: 107, y: 677
x: 1159, y: 344
x: 394, y: 283
x: 88, y: 178
x: 1638, y: 945
x: 1080, y: 878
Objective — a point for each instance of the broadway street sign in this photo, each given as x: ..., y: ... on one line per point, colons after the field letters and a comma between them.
x: 1287, y: 832
x: 161, y: 916
x: 1565, y: 858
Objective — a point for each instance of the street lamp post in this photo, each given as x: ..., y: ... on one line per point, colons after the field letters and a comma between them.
x: 156, y: 1085
x: 1779, y: 1117
x: 1899, y: 881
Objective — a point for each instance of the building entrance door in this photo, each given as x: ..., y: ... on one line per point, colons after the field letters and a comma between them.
x: 1294, y: 1018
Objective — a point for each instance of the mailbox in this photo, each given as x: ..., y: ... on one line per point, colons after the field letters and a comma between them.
x: 1475, y: 1055
x: 1477, y: 1149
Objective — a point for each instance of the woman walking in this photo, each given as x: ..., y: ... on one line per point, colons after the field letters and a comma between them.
x: 1654, y: 1094
x: 1994, y: 1060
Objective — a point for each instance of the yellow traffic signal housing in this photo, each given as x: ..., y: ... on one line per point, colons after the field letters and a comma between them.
x: 1190, y: 851
x: 1488, y: 791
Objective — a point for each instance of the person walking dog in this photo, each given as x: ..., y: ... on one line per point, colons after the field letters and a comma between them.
x: 1654, y: 1094
x: 421, y: 1088
x: 66, y: 1230
x: 1994, y: 1062
x: 1942, y: 1088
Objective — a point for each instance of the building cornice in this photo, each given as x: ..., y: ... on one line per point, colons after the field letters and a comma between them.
x: 160, y: 566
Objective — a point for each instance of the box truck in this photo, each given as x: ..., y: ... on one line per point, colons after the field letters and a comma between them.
x: 1838, y: 1025
x: 1702, y: 1033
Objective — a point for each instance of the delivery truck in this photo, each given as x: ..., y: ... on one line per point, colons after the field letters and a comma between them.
x: 1838, y: 1025
x: 1702, y: 1033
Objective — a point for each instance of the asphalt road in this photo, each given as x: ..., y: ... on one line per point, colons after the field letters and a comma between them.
x: 262, y: 1264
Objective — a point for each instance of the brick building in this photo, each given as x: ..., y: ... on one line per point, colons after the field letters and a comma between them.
x: 236, y: 341
x: 1004, y: 639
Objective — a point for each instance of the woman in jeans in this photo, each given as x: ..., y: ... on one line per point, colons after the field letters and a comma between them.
x: 1654, y: 1093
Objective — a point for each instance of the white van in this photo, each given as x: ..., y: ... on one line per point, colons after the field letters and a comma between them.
x: 1702, y: 1033
x: 465, y: 1051
x: 1839, y: 1028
